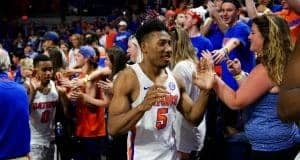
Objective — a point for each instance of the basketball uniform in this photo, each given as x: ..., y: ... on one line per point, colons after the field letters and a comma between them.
x: 41, y: 123
x: 153, y: 137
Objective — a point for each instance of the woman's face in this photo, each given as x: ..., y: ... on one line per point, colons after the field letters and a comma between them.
x: 64, y: 48
x: 256, y: 39
x: 26, y: 73
x: 75, y: 41
x: 132, y: 51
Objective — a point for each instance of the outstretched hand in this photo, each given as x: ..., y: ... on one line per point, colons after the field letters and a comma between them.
x: 204, y: 77
x: 219, y: 56
x: 212, y: 9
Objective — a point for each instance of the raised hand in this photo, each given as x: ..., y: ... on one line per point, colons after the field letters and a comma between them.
x: 219, y: 55
x: 35, y: 84
x: 234, y: 66
x: 212, y: 9
x: 204, y: 77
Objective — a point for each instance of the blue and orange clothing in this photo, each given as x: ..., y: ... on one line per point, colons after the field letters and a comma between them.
x: 90, y: 121
x: 293, y: 20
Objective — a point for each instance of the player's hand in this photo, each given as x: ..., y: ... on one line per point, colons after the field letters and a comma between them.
x: 204, y: 77
x: 155, y: 94
x: 35, y: 84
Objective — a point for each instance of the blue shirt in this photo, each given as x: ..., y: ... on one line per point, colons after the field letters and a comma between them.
x: 276, y: 8
x: 215, y: 35
x: 122, y: 40
x: 18, y: 76
x: 264, y: 129
x: 14, y: 119
x: 201, y: 43
x: 241, y: 32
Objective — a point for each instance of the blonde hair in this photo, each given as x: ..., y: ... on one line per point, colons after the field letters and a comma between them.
x: 277, y: 47
x: 134, y: 41
x: 182, y: 46
x: 26, y: 63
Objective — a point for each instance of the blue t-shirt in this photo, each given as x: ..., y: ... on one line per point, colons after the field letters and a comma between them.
x: 201, y: 43
x: 18, y: 76
x: 14, y: 119
x: 122, y: 40
x: 240, y: 31
x: 215, y: 35
x: 276, y: 8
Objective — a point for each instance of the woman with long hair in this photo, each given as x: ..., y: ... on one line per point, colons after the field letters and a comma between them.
x: 270, y: 138
x: 189, y: 139
x: 116, y: 61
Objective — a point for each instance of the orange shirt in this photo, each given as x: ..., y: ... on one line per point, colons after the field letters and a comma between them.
x: 90, y: 122
x: 110, y: 39
x: 293, y: 20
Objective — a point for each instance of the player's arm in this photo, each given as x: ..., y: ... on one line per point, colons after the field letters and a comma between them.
x: 289, y: 101
x: 122, y: 117
x: 192, y: 111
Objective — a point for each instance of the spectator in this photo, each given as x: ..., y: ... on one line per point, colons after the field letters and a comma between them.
x: 122, y: 36
x: 90, y: 110
x: 29, y: 52
x: 270, y: 138
x: 14, y: 115
x: 189, y: 139
x: 134, y: 51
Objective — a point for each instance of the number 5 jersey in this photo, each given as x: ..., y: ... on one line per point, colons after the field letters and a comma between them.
x: 153, y: 136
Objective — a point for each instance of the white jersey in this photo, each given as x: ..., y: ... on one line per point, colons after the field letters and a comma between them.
x: 153, y: 136
x: 42, y: 116
x: 188, y: 137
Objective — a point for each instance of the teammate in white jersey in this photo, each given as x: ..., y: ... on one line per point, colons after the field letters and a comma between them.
x: 145, y: 97
x: 43, y: 102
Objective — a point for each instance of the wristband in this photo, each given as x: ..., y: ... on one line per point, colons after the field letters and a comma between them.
x: 226, y: 50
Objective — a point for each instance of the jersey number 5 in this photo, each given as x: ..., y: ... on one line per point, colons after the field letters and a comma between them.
x: 161, y: 120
